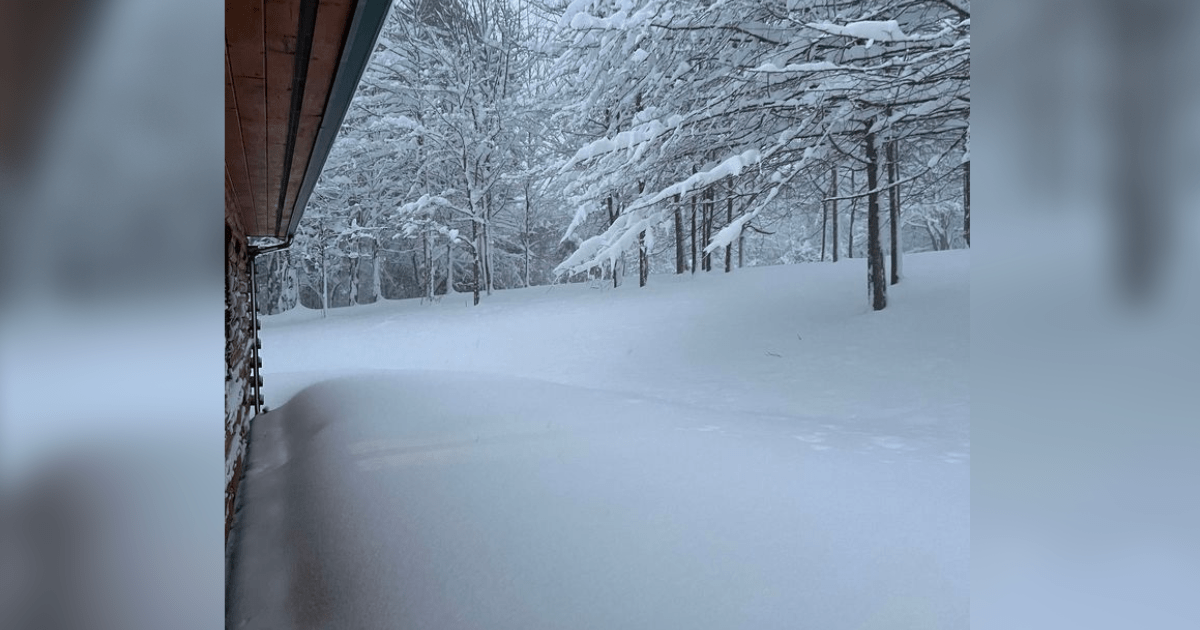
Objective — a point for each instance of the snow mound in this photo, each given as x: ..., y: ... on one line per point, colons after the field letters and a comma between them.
x: 747, y: 450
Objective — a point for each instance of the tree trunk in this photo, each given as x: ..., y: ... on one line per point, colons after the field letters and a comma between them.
x: 528, y: 236
x: 678, y: 237
x: 268, y: 280
x: 834, y: 212
x: 475, y: 259
x: 485, y: 259
x: 354, y: 277
x: 271, y: 287
x: 741, y: 248
x: 824, y: 227
x: 643, y: 260
x: 429, y: 277
x: 324, y: 283
x: 489, y: 270
x: 293, y: 298
x: 450, y: 267
x: 967, y: 202
x: 708, y: 219
x: 693, y: 262
x: 729, y: 221
x: 853, y: 211
x: 893, y: 176
x: 376, y: 289
x: 612, y: 218
x: 876, y: 280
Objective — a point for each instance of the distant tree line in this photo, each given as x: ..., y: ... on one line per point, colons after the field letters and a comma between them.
x: 494, y: 145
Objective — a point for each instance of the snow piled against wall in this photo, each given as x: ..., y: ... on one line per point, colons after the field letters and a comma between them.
x: 755, y: 449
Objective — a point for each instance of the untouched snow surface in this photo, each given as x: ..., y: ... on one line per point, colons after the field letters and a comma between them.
x: 752, y: 450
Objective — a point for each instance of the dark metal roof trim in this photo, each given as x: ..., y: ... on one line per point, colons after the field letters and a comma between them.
x: 369, y: 16
x: 304, y: 38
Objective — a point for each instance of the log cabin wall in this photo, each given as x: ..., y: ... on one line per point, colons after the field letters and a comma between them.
x: 239, y: 353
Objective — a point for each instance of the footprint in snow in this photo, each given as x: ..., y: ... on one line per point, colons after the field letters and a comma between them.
x: 893, y: 443
x: 704, y: 429
x: 954, y: 457
x: 814, y: 441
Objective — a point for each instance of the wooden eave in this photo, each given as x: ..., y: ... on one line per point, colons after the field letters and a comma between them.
x: 291, y: 67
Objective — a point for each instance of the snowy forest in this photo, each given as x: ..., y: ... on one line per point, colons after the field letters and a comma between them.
x: 495, y: 144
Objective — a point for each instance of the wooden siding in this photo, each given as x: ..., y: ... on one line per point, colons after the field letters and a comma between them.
x: 239, y: 352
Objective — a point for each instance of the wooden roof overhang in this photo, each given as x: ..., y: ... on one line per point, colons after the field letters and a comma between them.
x: 291, y: 68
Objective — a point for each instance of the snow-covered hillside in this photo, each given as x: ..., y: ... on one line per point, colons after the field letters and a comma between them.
x: 756, y: 449
x: 797, y: 343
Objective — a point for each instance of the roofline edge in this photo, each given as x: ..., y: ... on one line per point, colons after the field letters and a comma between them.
x: 356, y: 52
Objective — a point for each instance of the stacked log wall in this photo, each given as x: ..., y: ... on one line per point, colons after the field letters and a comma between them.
x: 239, y: 353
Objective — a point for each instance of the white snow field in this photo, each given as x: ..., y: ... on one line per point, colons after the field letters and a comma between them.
x: 747, y: 450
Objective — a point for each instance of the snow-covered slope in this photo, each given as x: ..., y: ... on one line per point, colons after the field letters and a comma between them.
x: 797, y: 343
x: 755, y: 449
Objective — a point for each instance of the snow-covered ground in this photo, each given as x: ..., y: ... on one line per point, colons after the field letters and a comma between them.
x: 751, y: 450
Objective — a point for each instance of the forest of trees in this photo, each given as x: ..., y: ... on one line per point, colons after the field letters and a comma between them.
x: 495, y: 144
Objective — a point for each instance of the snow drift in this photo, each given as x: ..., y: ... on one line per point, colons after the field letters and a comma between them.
x: 755, y: 450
